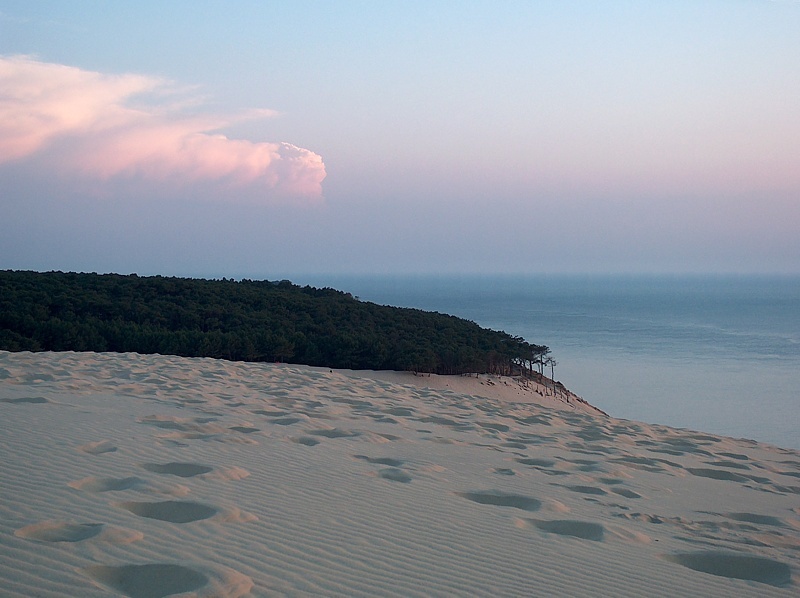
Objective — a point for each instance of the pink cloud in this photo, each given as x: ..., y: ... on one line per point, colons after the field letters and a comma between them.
x: 83, y: 122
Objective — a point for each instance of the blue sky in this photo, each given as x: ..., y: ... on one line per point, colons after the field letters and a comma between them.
x: 278, y: 138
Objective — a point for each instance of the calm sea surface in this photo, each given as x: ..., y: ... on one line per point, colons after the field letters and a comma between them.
x: 717, y: 354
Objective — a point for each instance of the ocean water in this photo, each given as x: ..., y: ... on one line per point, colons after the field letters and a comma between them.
x: 718, y: 354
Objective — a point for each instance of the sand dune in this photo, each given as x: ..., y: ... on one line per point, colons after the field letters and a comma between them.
x: 147, y: 476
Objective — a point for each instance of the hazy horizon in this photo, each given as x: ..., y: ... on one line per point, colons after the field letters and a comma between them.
x: 397, y: 138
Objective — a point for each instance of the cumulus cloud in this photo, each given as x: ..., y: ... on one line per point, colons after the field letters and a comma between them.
x: 85, y: 123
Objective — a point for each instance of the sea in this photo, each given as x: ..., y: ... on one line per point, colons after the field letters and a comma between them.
x: 718, y: 354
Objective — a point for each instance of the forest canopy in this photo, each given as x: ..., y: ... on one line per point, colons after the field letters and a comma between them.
x: 245, y: 320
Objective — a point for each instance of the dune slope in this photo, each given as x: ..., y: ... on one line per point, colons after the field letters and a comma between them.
x: 134, y: 475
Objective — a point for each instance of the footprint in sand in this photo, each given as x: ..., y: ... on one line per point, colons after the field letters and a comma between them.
x: 148, y: 581
x: 540, y: 420
x: 646, y: 464
x: 400, y: 411
x: 335, y: 433
x: 494, y: 426
x: 646, y: 517
x: 729, y: 464
x: 61, y: 531
x: 498, y: 498
x: 546, y: 466
x: 305, y: 441
x: 585, y: 465
x: 93, y: 484
x: 717, y: 474
x: 737, y: 456
x: 395, y: 475
x: 536, y: 462
x: 30, y: 400
x: 178, y: 511
x: 182, y: 470
x: 356, y: 404
x: 181, y: 424
x: 791, y: 474
x: 98, y: 448
x: 244, y: 429
x: 755, y: 519
x: 155, y: 580
x: 269, y: 413
x: 392, y: 472
x: 504, y: 471
x: 624, y: 492
x: 613, y: 481
x: 56, y: 531
x: 388, y: 461
x: 444, y: 421
x: 729, y: 476
x: 680, y: 446
x: 286, y: 421
x: 587, y: 490
x: 173, y: 511
x: 513, y: 444
x: 735, y: 566
x: 584, y: 530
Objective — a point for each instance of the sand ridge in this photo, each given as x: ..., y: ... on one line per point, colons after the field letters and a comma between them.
x: 510, y: 389
x: 135, y: 475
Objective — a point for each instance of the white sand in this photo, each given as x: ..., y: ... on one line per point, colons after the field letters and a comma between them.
x: 151, y: 476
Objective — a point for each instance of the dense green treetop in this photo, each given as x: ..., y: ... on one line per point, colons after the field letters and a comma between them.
x: 244, y: 320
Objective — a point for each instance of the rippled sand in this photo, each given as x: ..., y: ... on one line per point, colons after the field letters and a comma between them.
x: 133, y: 475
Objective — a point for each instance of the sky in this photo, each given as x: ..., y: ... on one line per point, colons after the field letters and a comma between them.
x: 282, y: 139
